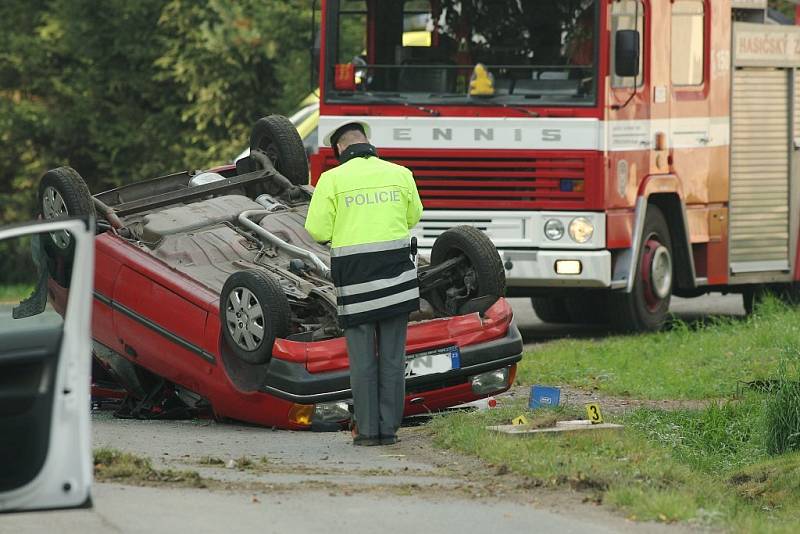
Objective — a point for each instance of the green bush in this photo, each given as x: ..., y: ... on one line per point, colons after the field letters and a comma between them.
x: 782, y: 417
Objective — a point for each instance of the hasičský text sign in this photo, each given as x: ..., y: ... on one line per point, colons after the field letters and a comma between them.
x: 759, y: 45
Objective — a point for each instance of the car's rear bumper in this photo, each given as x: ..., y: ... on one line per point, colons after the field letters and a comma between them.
x: 291, y: 381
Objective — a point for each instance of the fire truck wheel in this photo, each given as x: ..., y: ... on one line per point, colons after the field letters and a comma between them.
x: 278, y: 138
x: 254, y: 311
x: 551, y: 309
x: 478, y: 281
x: 587, y: 309
x: 750, y: 299
x: 645, y: 308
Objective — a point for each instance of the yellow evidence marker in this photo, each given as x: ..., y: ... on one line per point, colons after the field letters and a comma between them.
x: 521, y: 420
x: 594, y: 414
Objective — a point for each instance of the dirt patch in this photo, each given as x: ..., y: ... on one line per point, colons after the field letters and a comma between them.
x: 614, y: 405
x: 115, y: 466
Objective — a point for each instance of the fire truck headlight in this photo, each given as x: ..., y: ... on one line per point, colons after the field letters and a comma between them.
x: 554, y: 229
x: 581, y: 230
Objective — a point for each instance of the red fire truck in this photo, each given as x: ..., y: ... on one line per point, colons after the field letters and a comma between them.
x: 617, y: 152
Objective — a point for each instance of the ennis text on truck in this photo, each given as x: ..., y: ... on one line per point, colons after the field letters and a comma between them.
x: 625, y: 151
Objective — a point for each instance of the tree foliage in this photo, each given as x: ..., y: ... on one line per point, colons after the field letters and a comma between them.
x: 787, y: 7
x: 125, y: 90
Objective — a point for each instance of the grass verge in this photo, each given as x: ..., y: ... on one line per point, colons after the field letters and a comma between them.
x: 111, y: 465
x: 707, y: 361
x: 712, y: 467
x: 688, y: 466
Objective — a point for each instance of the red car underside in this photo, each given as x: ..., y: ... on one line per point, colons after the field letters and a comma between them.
x: 169, y: 324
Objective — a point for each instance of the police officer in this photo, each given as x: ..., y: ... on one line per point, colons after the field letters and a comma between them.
x: 365, y: 208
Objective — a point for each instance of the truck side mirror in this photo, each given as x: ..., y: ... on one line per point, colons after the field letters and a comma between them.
x: 626, y: 56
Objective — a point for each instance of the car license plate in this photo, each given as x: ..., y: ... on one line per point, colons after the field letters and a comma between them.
x: 433, y: 361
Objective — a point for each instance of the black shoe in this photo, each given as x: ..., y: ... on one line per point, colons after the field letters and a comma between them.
x: 389, y: 440
x: 365, y: 441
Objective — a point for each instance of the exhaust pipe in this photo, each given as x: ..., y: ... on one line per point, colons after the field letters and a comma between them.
x: 317, y: 264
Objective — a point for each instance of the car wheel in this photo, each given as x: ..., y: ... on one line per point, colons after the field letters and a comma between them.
x: 478, y: 280
x: 63, y: 193
x: 254, y: 311
x: 645, y: 307
x: 551, y: 309
x: 277, y: 137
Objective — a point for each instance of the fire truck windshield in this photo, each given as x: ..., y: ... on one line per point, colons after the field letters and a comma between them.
x: 462, y: 52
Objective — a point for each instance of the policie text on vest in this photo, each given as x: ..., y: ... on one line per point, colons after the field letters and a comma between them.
x: 377, y: 197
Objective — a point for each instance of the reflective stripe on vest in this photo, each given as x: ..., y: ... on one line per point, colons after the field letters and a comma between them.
x: 370, y: 247
x: 374, y: 280
x: 377, y: 285
x: 376, y: 304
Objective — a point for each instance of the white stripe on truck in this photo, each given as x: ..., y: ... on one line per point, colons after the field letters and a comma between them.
x: 537, y: 133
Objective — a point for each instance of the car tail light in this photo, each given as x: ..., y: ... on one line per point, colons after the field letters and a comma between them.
x: 512, y: 374
x: 332, y: 412
x: 301, y: 414
x: 491, y: 382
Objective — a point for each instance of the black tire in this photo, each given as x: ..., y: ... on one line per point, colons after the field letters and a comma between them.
x: 588, y: 309
x: 274, y: 315
x: 276, y: 136
x: 551, y: 309
x: 752, y: 298
x: 483, y: 262
x: 76, y: 200
x: 643, y: 309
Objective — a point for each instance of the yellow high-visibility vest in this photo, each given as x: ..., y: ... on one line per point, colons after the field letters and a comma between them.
x: 365, y: 200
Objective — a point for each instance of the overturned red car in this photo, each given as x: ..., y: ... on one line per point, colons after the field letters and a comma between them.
x: 208, y: 281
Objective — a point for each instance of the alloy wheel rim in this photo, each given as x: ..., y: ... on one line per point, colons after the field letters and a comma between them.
x: 245, y: 319
x: 54, y: 207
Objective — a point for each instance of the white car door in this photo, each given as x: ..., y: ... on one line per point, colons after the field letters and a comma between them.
x: 46, y: 281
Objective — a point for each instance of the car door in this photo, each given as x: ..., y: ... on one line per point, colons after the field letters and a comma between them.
x: 46, y: 278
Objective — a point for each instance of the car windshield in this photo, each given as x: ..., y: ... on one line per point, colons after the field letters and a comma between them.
x: 534, y: 53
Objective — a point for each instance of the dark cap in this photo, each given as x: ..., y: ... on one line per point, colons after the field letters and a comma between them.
x: 333, y: 136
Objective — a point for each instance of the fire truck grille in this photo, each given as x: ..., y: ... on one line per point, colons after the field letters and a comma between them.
x: 477, y: 181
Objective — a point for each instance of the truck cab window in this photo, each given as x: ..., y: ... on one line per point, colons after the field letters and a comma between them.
x: 352, y: 31
x: 425, y: 52
x: 688, y: 42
